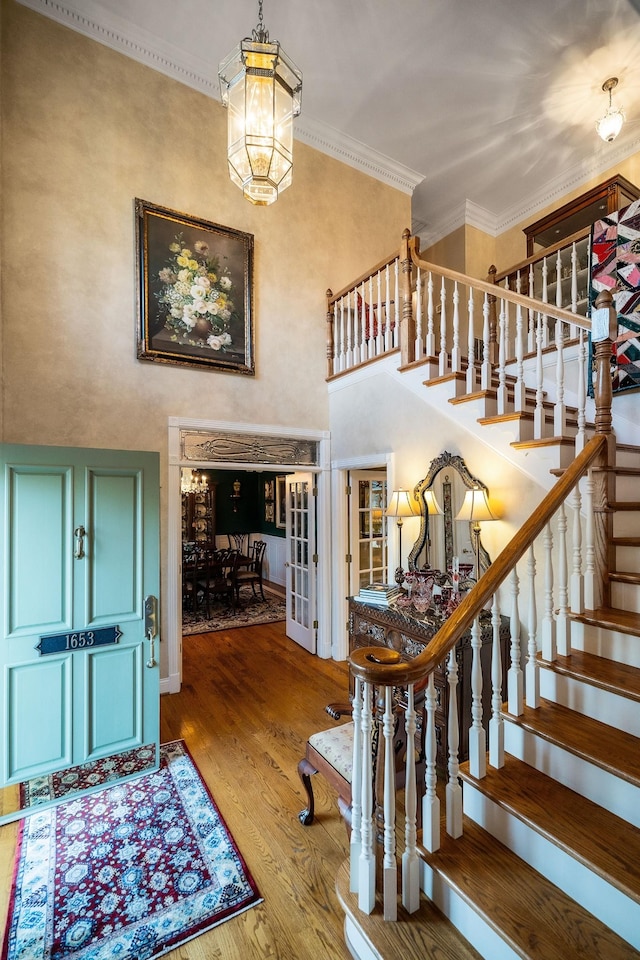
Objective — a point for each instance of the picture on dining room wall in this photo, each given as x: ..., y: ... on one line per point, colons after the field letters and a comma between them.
x: 281, y: 502
x: 195, y: 283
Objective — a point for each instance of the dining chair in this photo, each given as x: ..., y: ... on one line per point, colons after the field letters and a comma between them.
x: 253, y: 573
x: 239, y: 541
x: 220, y: 581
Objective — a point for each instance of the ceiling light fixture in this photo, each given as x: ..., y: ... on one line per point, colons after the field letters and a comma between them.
x: 610, y: 125
x: 261, y: 89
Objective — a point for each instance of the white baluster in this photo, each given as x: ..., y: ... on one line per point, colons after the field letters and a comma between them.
x: 419, y: 344
x: 349, y: 325
x: 363, y: 324
x: 431, y: 336
x: 410, y: 859
x: 430, y: 801
x: 538, y: 416
x: 496, y: 723
x: 502, y: 358
x: 563, y: 637
x: 519, y: 393
x: 559, y: 410
x: 573, y: 328
x: 485, y: 373
x: 532, y: 673
x: 355, y: 846
x: 355, y: 347
x: 531, y: 330
x: 456, y: 359
x: 367, y: 872
x: 396, y: 299
x: 576, y: 592
x: 591, y: 585
x: 559, y: 302
x: 515, y: 676
x: 443, y: 329
x: 471, y: 346
x: 389, y: 868
x: 581, y: 436
x: 338, y: 339
x: 454, y: 789
x: 477, y: 736
x: 548, y: 622
x: 545, y: 298
x: 387, y: 311
x: 379, y: 315
x: 371, y: 342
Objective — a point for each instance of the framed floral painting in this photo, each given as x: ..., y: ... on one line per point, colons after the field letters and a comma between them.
x: 195, y: 283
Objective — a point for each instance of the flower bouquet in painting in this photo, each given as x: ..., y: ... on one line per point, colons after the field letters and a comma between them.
x: 196, y: 296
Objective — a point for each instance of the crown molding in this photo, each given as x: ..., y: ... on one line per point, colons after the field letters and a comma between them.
x: 94, y: 22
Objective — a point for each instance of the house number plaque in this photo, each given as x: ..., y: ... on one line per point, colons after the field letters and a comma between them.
x: 78, y: 640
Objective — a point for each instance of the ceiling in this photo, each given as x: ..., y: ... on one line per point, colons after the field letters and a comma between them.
x: 487, y: 108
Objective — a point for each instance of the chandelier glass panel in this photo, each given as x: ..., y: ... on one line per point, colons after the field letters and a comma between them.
x: 262, y: 89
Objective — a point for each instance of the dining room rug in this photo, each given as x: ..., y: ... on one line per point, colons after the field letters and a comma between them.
x: 251, y: 612
x: 130, y: 872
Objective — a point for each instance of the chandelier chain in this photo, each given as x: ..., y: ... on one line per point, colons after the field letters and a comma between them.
x: 260, y: 33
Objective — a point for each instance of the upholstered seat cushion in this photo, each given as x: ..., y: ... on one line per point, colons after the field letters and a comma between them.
x: 336, y: 746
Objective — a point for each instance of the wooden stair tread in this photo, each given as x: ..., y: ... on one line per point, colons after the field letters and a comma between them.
x: 597, y: 838
x: 625, y: 504
x: 625, y: 541
x: 624, y: 621
x: 543, y: 442
x: 610, y: 675
x: 445, y: 378
x: 538, y: 920
x: 615, y: 751
x: 425, y: 933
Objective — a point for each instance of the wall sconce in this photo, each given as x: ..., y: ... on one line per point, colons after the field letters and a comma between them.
x: 475, y: 507
x: 610, y: 125
x: 402, y: 504
x: 433, y: 509
x: 236, y: 495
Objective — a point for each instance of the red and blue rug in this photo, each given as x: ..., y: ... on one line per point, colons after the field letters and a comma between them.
x: 129, y: 872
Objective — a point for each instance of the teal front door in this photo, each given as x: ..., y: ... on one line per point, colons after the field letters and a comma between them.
x: 79, y: 677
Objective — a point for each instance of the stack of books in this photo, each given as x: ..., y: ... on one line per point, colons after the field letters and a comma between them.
x: 382, y: 594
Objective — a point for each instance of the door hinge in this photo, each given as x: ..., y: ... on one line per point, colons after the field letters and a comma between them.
x: 315, y: 558
x: 315, y: 491
x: 348, y: 558
x: 315, y: 624
x: 347, y: 490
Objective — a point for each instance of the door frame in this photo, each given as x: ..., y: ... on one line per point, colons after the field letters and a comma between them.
x: 322, y: 473
x: 340, y: 470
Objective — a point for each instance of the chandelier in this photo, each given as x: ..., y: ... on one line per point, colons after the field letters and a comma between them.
x: 192, y: 482
x: 261, y: 89
x: 610, y: 125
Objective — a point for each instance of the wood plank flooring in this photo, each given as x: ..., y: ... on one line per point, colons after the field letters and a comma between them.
x: 250, y: 699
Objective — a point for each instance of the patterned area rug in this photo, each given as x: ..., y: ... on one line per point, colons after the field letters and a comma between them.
x: 130, y: 872
x: 86, y: 775
x: 251, y: 612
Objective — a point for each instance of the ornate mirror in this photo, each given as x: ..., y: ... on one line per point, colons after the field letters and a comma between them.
x: 441, y: 536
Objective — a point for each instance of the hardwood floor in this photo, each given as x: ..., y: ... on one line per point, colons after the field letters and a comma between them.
x: 250, y: 698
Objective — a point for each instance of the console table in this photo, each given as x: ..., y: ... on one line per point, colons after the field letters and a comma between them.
x: 372, y: 626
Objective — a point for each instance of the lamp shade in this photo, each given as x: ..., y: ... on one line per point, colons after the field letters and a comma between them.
x: 432, y: 506
x: 475, y: 507
x: 402, y: 504
x: 610, y: 125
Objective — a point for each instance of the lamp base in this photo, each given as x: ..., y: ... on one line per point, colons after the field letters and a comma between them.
x: 399, y: 576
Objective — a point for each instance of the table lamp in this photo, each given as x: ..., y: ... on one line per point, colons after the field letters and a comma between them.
x: 475, y: 507
x: 402, y: 504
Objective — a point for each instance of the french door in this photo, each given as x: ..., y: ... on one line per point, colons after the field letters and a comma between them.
x: 301, y: 562
x: 367, y: 528
x: 78, y: 643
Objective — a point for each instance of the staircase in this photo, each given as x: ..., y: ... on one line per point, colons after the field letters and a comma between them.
x: 547, y: 866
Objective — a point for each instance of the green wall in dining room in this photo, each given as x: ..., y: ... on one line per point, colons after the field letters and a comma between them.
x: 249, y: 513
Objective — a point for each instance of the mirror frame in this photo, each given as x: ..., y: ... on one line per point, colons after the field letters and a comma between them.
x: 446, y: 461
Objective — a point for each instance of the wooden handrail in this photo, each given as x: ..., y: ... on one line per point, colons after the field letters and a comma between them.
x: 548, y: 309
x: 541, y: 254
x: 364, y: 662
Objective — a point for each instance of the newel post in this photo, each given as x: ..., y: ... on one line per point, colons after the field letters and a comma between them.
x: 330, y: 335
x: 493, y: 318
x: 408, y: 322
x: 604, y: 329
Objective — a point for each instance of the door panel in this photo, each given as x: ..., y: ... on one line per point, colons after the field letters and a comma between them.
x: 367, y: 528
x: 93, y: 701
x: 301, y: 540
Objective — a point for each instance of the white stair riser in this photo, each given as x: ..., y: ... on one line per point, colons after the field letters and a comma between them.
x: 590, y: 700
x: 625, y: 596
x: 627, y: 488
x: 358, y: 946
x: 612, y: 644
x: 462, y: 915
x: 616, y: 795
x: 628, y: 559
x: 626, y: 523
x: 606, y: 902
